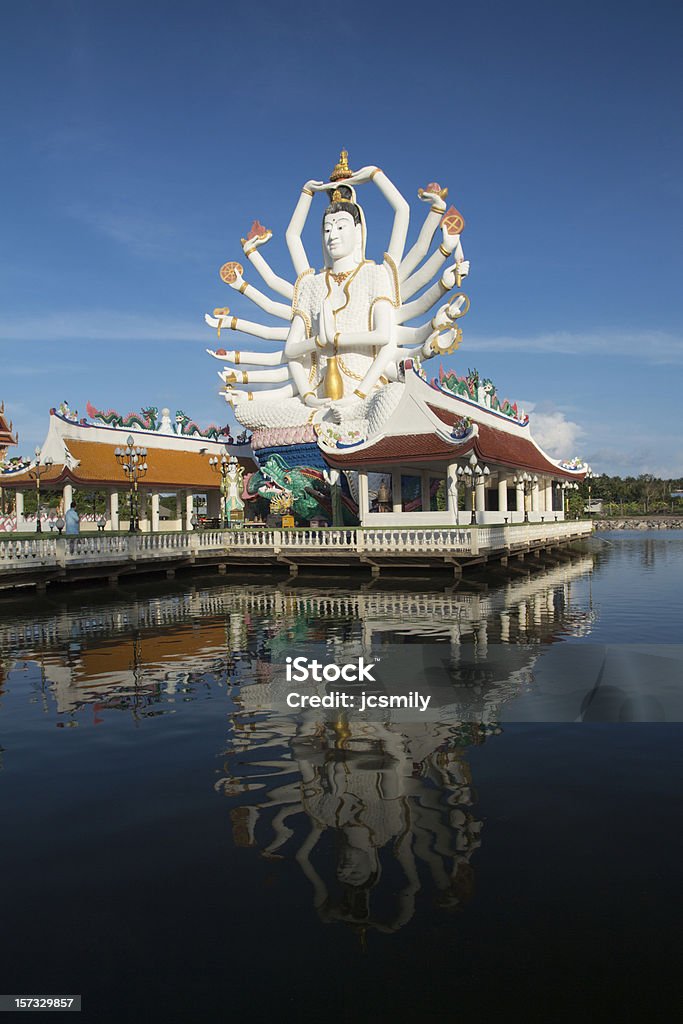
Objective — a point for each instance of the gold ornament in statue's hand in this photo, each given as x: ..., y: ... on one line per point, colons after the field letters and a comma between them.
x: 431, y: 192
x: 453, y: 221
x: 229, y: 272
x: 258, y: 235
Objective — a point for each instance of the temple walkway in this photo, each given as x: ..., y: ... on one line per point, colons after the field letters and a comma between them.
x: 38, y: 561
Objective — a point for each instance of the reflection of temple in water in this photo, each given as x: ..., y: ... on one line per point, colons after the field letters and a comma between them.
x: 372, y: 813
x: 145, y: 652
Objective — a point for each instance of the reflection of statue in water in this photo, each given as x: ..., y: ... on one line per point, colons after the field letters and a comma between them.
x: 346, y: 338
x: 386, y: 793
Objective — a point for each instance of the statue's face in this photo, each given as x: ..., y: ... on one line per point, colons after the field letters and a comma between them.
x: 339, y: 235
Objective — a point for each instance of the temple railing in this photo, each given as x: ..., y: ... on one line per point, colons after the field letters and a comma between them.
x: 19, y: 555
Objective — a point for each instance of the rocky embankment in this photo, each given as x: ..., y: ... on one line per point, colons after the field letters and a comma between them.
x: 641, y: 523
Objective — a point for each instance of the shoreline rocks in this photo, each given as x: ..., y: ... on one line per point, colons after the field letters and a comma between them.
x: 640, y: 523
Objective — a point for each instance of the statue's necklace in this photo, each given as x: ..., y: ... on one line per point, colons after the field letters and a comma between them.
x: 341, y: 277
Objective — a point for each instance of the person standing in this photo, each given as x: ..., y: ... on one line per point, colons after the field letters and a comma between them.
x: 73, y: 521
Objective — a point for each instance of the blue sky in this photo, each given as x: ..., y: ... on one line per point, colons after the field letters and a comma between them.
x: 140, y: 141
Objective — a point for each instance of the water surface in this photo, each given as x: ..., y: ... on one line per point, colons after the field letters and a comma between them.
x: 172, y: 844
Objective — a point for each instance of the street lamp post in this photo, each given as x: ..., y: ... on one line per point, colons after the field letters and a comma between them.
x: 527, y: 481
x: 589, y: 478
x: 221, y: 465
x: 568, y: 487
x: 476, y: 473
x: 36, y: 475
x: 133, y: 461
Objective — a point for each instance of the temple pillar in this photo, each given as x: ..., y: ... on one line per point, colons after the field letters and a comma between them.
x: 480, y: 499
x: 143, y: 522
x: 502, y: 493
x: 452, y: 491
x: 19, y: 509
x: 114, y: 510
x: 549, y: 496
x: 425, y: 496
x: 155, y: 511
x: 519, y: 501
x: 534, y: 494
x: 67, y: 497
x: 189, y: 509
x: 363, y: 497
x: 396, y: 495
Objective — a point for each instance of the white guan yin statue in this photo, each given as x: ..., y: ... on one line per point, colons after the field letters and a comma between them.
x: 338, y: 363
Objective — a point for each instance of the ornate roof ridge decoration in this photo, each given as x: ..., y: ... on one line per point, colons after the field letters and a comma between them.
x: 480, y: 390
x: 15, y: 464
x: 147, y: 421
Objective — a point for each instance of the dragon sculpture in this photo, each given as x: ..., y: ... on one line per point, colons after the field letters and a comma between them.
x: 481, y: 390
x: 188, y: 428
x: 147, y: 419
x: 275, y: 481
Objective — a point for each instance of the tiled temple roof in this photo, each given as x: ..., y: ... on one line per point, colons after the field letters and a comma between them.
x: 489, y: 445
x: 98, y: 466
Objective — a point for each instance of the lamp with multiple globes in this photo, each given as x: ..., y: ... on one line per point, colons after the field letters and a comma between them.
x: 36, y: 473
x: 133, y: 461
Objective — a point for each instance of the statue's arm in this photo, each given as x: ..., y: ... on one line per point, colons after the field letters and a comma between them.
x: 297, y: 343
x: 235, y: 323
x: 425, y: 302
x: 274, y: 376
x: 238, y: 358
x: 399, y: 205
x: 278, y: 309
x: 278, y: 284
x: 424, y: 239
x: 450, y: 244
x: 236, y: 396
x: 296, y: 227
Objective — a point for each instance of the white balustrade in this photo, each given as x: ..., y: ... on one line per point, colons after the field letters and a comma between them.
x: 388, y: 541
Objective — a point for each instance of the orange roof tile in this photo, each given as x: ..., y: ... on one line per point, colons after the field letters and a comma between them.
x: 98, y: 465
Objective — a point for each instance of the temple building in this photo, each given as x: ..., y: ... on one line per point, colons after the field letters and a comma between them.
x: 80, y: 455
x: 8, y: 437
x: 492, y: 469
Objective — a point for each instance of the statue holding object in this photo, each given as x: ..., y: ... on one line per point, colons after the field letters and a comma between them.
x: 339, y: 356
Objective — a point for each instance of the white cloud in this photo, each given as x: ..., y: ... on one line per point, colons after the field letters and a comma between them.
x: 557, y: 435
x: 650, y: 346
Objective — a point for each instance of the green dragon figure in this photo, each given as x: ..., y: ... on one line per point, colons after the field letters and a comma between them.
x: 275, y: 478
x: 146, y: 420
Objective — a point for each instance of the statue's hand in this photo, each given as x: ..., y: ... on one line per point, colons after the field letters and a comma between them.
x: 250, y: 244
x: 360, y: 177
x: 448, y: 278
x: 234, y: 279
x: 326, y: 329
x: 431, y: 197
x: 313, y: 402
x: 449, y: 241
x: 316, y: 186
x: 337, y: 408
x: 442, y: 343
x: 444, y: 317
x: 235, y: 396
x: 463, y: 268
x: 212, y: 321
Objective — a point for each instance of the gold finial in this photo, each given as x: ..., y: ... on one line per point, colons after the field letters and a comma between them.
x: 342, y: 169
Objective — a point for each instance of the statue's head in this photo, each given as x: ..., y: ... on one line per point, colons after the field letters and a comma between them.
x: 343, y: 230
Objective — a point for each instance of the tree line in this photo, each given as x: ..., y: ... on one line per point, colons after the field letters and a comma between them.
x: 634, y: 495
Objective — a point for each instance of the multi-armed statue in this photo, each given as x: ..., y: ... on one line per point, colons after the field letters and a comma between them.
x: 339, y: 358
